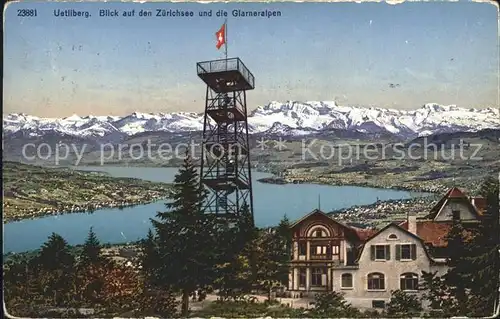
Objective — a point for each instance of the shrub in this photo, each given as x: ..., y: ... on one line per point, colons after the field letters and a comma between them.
x: 332, y: 304
x: 403, y: 305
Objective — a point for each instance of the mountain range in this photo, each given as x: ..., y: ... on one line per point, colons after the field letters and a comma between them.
x: 291, y: 118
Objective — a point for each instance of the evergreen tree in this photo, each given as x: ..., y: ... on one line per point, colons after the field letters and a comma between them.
x: 54, y: 265
x: 439, y: 295
x: 332, y: 304
x: 236, y: 267
x: 484, y: 257
x: 274, y: 257
x: 284, y: 236
x: 473, y: 259
x: 403, y: 305
x: 91, y: 252
x: 149, y: 258
x: 458, y: 276
x: 186, y: 238
x: 55, y: 255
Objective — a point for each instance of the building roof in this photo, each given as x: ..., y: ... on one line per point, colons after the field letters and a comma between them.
x: 456, y: 195
x: 358, y: 232
x: 364, y: 233
x: 480, y: 203
x: 428, y: 231
x: 418, y: 238
x: 431, y: 232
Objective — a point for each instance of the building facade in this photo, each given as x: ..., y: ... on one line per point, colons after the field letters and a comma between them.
x: 392, y: 259
x: 320, y: 245
x: 366, y: 265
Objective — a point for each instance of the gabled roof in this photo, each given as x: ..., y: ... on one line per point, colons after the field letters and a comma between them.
x: 453, y: 194
x: 314, y: 212
x: 403, y: 230
x: 349, y: 229
x: 388, y: 226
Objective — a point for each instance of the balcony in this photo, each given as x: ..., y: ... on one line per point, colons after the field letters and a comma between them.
x: 226, y: 75
x: 320, y: 257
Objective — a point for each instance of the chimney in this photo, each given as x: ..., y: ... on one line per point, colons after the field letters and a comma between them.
x: 412, y: 223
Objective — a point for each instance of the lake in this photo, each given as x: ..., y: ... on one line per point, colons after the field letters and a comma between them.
x: 271, y: 203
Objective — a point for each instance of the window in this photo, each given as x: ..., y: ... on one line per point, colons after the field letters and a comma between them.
x: 302, y: 248
x: 392, y: 237
x: 346, y: 281
x: 318, y: 232
x: 376, y: 281
x: 380, y: 304
x: 409, y: 281
x: 456, y: 214
x: 380, y: 252
x: 302, y: 277
x: 406, y: 252
x: 319, y: 250
x: 318, y: 277
x: 335, y: 250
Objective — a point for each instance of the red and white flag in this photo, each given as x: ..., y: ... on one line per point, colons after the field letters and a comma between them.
x: 221, y: 36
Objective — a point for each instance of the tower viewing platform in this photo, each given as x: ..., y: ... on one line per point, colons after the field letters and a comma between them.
x: 226, y: 75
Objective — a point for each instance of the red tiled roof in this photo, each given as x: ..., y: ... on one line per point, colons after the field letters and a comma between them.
x: 431, y: 232
x: 455, y: 193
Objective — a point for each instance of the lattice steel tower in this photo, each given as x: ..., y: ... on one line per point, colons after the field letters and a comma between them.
x: 225, y: 159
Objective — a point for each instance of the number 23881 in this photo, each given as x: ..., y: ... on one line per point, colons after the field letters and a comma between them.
x: 26, y: 12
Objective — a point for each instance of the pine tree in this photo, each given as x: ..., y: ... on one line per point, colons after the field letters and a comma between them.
x: 186, y: 238
x: 473, y: 259
x: 149, y: 258
x: 284, y: 237
x: 55, y: 254
x: 484, y: 257
x: 332, y: 304
x: 55, y: 265
x: 404, y: 305
x: 274, y: 257
x: 236, y: 266
x: 91, y: 252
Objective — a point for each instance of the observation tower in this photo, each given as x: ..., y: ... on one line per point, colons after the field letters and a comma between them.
x: 225, y: 159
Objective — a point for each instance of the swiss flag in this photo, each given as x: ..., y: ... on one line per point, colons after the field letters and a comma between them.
x: 221, y: 36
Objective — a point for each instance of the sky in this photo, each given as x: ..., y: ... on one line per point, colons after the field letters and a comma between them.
x: 441, y: 52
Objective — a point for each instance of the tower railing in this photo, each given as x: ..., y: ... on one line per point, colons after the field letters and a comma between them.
x: 232, y: 64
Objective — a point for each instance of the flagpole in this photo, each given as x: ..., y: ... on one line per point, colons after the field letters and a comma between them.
x: 225, y: 40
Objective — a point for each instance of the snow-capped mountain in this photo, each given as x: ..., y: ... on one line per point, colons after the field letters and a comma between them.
x: 289, y: 118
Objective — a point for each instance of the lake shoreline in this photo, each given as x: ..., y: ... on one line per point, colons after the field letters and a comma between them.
x: 89, y: 208
x: 32, y: 192
x: 92, y: 207
x: 360, y: 216
x: 114, y: 224
x: 284, y: 181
